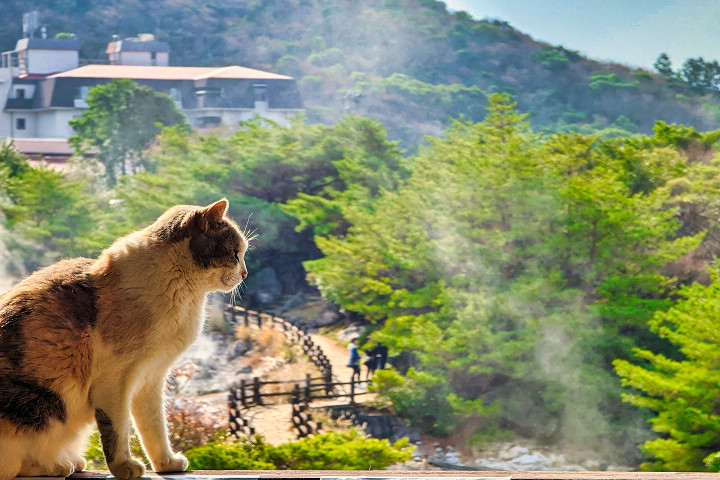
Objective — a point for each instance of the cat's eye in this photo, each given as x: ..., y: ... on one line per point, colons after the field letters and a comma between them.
x: 236, y: 255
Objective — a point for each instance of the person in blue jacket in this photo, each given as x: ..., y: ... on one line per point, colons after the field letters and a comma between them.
x: 354, y: 361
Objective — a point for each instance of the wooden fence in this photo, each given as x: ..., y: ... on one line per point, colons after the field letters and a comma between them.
x: 250, y: 394
x: 251, y: 318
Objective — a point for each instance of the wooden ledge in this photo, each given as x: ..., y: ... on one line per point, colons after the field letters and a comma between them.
x: 393, y: 474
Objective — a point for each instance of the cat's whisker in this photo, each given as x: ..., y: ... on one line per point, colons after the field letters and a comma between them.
x: 249, y: 236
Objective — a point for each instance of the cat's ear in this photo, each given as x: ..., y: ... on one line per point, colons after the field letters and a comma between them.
x: 211, y: 215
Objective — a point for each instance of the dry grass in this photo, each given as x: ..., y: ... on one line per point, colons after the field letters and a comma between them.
x: 270, y: 340
x: 254, y: 359
x: 243, y: 333
x: 328, y: 424
x: 296, y: 370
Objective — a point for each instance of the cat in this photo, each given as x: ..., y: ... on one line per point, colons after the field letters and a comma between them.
x: 90, y: 340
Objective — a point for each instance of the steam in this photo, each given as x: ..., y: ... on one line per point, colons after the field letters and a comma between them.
x: 559, y: 355
x: 7, y: 263
x: 564, y: 329
x: 203, y: 352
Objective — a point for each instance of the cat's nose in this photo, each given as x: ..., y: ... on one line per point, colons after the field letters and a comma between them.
x: 243, y: 273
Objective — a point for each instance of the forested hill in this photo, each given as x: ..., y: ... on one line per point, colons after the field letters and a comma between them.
x: 409, y: 63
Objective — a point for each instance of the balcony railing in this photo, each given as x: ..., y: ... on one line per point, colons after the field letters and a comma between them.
x: 19, y: 104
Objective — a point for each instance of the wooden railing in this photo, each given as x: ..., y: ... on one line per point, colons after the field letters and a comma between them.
x: 251, y: 318
x: 248, y: 395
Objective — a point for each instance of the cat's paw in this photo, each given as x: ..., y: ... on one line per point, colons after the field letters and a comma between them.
x: 79, y: 463
x: 128, y: 469
x: 62, y: 469
x: 176, y: 463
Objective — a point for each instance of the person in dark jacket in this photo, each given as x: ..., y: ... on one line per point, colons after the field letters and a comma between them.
x: 381, y: 355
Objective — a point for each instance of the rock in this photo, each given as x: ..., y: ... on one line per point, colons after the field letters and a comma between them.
x: 293, y: 302
x: 298, y: 321
x: 592, y: 464
x: 329, y: 315
x: 349, y: 333
x: 535, y: 459
x: 245, y: 369
x: 513, y: 451
x: 237, y: 349
x: 452, y: 457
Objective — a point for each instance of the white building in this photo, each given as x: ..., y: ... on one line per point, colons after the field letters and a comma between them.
x: 142, y: 50
x: 42, y: 87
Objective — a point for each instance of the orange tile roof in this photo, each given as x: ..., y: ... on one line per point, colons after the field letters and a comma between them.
x: 169, y: 73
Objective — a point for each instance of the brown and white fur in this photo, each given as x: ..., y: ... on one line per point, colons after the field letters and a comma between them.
x: 93, y: 340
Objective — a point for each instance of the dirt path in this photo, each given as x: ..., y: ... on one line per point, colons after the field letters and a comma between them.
x: 274, y: 421
x: 338, y: 356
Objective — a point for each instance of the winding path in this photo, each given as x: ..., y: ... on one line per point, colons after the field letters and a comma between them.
x: 273, y: 421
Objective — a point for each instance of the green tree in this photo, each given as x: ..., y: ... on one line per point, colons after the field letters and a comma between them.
x: 49, y: 216
x: 684, y: 394
x: 503, y: 258
x: 121, y: 121
x: 663, y: 65
x: 320, y: 169
x: 700, y: 75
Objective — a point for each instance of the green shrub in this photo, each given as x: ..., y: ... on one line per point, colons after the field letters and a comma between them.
x: 421, y: 398
x: 552, y: 58
x: 351, y: 450
x: 611, y: 80
x: 250, y: 453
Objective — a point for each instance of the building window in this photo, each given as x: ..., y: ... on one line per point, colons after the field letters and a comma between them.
x: 82, y: 92
x: 20, y: 123
x: 208, y: 121
x: 260, y: 90
x: 20, y: 93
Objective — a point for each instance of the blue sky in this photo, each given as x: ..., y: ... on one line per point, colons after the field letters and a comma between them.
x: 631, y: 32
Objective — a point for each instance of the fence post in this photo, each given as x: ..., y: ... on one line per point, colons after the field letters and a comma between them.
x: 232, y: 408
x: 256, y: 391
x: 328, y: 382
x: 296, y: 394
x: 242, y: 393
x: 307, y: 388
x: 352, y: 390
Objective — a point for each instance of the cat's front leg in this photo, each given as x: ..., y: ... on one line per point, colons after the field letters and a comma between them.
x: 112, y: 414
x: 148, y: 409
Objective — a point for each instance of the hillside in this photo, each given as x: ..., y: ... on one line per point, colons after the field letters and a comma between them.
x: 408, y: 63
